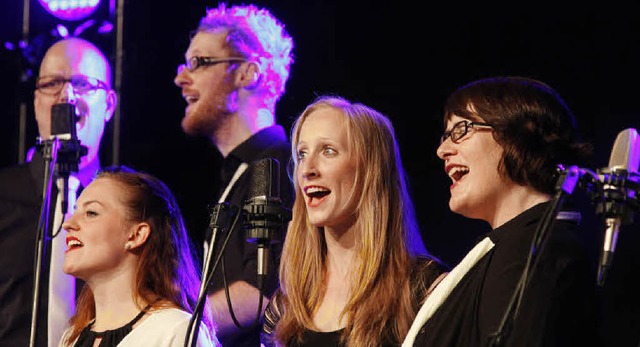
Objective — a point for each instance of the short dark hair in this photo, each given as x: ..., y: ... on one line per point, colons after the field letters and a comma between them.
x: 532, y: 123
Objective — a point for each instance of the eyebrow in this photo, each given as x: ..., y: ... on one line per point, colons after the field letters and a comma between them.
x: 86, y: 203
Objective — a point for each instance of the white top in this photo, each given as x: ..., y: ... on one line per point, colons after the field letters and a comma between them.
x: 163, y: 328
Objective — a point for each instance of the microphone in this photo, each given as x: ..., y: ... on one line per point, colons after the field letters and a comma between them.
x: 63, y: 128
x: 619, y: 194
x: 264, y: 213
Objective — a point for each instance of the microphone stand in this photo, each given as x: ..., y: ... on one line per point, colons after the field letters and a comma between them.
x: 61, y: 155
x: 50, y: 154
x: 565, y: 186
x: 226, y: 211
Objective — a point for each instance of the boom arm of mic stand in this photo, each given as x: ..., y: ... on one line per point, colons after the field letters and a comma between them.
x: 50, y: 157
x: 215, y: 224
x: 565, y: 186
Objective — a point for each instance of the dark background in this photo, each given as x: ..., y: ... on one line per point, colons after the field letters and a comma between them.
x: 401, y: 58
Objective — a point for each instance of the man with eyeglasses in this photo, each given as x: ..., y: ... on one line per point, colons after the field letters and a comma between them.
x: 235, y: 70
x: 73, y: 71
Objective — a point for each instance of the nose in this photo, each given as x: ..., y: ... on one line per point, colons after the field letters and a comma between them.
x: 67, y: 94
x: 446, y: 149
x: 308, y: 167
x: 181, y: 78
x: 70, y: 223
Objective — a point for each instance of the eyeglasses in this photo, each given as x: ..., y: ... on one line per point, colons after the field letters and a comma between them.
x: 52, y: 85
x: 460, y: 129
x: 194, y: 63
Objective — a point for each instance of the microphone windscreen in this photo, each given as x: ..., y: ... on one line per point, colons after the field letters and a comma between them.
x: 264, y: 179
x: 625, y: 154
x: 63, y: 119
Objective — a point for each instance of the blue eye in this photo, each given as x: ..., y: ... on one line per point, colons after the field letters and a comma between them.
x: 329, y: 151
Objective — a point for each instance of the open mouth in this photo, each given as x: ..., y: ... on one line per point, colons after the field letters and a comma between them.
x: 190, y: 99
x: 73, y: 243
x: 316, y: 194
x: 457, y: 172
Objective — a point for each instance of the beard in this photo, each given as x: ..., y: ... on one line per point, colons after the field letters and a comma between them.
x: 207, y: 116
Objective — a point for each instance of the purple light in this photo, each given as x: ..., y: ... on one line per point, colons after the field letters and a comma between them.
x: 62, y: 30
x: 70, y: 9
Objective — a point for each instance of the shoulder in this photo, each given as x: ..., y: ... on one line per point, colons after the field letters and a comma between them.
x: 426, y: 273
x: 16, y: 176
x: 273, y: 312
x: 21, y: 184
x: 167, y: 327
x: 428, y: 266
x: 65, y: 336
x: 271, y: 317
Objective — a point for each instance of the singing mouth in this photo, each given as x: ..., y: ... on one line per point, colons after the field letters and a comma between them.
x: 457, y: 172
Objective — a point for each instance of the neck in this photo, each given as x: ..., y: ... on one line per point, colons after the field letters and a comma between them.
x: 116, y: 301
x: 521, y: 199
x: 241, y: 126
x: 340, y: 251
x: 87, y: 171
x: 114, y: 310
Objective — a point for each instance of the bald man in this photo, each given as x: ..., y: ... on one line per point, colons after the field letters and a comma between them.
x: 73, y: 71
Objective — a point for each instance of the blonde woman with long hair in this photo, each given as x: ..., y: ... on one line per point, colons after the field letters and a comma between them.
x: 354, y: 269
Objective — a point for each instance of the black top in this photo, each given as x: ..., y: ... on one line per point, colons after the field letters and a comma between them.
x: 322, y: 339
x: 240, y: 256
x: 110, y: 338
x: 21, y: 197
x: 20, y: 204
x: 559, y: 307
x: 426, y: 269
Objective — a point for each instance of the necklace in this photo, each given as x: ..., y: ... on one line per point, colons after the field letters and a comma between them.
x: 110, y: 338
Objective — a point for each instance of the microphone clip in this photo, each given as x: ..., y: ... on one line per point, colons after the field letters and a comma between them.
x: 619, y: 194
x: 264, y: 218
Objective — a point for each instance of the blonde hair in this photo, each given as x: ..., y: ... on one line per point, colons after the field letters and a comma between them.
x: 380, y: 306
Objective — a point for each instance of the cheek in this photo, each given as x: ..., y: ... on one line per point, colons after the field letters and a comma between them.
x: 42, y: 108
x: 111, y: 238
x: 93, y: 121
x: 347, y: 178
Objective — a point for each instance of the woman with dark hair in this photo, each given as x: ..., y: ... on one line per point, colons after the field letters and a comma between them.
x: 127, y: 241
x: 504, y: 143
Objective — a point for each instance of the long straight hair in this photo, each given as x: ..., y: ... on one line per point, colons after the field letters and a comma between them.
x: 380, y: 306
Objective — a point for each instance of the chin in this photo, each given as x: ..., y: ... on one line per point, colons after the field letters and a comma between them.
x: 187, y: 126
x: 69, y: 270
x: 458, y: 207
x: 192, y: 125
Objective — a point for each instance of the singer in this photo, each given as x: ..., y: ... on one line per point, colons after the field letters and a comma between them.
x: 235, y: 70
x: 354, y: 268
x: 503, y: 140
x: 127, y: 242
x: 73, y: 71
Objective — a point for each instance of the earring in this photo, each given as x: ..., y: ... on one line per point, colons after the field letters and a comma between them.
x: 127, y: 246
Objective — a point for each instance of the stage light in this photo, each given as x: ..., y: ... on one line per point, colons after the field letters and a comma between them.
x: 70, y: 9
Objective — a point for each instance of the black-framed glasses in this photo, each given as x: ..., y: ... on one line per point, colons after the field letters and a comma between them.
x: 195, y: 62
x: 460, y: 129
x: 81, y: 84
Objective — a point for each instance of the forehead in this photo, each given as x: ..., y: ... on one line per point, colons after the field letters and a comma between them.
x: 454, y: 119
x: 104, y: 190
x: 73, y: 59
x: 208, y: 43
x: 324, y: 122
